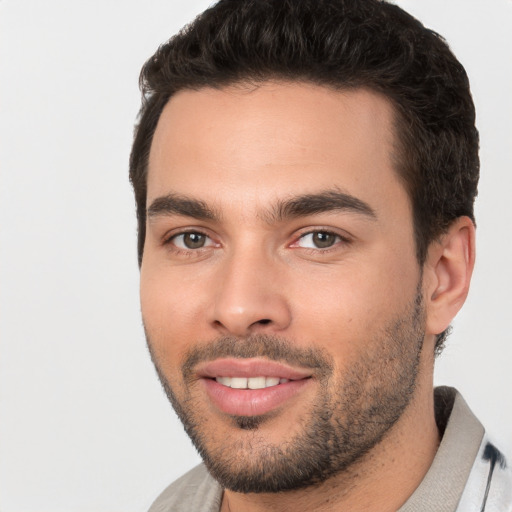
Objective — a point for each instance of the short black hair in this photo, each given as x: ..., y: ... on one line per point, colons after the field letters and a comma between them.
x: 340, y: 44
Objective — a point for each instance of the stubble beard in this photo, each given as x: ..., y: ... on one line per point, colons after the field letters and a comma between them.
x: 350, y: 415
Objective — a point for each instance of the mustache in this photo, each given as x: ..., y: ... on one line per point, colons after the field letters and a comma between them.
x: 258, y: 345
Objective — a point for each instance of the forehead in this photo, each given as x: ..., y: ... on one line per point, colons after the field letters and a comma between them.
x: 243, y: 143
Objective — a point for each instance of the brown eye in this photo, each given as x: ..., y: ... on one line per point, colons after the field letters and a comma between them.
x: 322, y: 239
x: 191, y: 240
x: 318, y: 240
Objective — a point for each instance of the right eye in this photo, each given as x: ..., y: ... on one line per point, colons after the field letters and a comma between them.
x: 191, y: 240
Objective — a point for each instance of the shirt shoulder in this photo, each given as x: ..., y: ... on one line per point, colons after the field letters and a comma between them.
x: 468, y: 473
x: 195, y: 490
x: 489, y: 486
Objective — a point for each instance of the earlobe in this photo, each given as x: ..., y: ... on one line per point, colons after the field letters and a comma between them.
x: 447, y: 274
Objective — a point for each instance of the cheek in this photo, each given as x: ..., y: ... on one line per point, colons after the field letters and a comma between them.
x: 345, y: 308
x: 171, y: 311
x: 169, y: 294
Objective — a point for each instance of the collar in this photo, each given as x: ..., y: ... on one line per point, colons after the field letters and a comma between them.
x: 444, y: 483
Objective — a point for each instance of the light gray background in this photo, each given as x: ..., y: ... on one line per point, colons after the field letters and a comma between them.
x: 84, y: 425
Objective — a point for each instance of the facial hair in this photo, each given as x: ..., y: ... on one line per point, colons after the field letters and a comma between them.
x: 352, y: 411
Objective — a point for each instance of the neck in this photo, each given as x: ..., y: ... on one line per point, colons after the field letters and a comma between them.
x: 381, y: 481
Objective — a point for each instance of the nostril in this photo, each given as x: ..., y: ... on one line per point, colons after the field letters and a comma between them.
x: 264, y: 321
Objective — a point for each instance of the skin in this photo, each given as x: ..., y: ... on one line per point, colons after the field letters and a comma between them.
x: 241, y: 150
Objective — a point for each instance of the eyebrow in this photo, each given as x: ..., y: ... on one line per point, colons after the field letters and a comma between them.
x: 297, y: 206
x: 322, y: 202
x: 174, y: 204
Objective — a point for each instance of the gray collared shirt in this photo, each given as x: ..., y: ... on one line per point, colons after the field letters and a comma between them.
x: 468, y: 474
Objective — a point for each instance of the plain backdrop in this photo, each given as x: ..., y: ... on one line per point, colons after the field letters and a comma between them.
x: 84, y: 426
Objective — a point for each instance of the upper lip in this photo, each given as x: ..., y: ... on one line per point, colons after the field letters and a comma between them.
x: 254, y: 367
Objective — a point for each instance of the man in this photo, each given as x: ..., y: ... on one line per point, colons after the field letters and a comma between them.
x: 305, y: 174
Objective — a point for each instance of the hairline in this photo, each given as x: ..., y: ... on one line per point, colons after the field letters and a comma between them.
x: 250, y: 84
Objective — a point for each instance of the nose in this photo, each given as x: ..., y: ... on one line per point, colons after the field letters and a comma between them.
x: 250, y: 296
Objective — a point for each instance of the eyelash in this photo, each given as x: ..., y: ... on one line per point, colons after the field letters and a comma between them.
x: 341, y: 239
x: 168, y: 242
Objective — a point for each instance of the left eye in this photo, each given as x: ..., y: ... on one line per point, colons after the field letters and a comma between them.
x: 318, y: 240
x: 191, y: 240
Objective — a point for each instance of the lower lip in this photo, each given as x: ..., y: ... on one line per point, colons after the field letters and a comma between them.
x: 252, y: 402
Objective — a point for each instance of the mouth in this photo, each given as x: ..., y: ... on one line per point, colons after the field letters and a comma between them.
x: 251, y: 387
x: 251, y: 382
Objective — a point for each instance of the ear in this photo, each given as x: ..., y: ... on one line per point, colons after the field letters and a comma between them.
x: 447, y: 274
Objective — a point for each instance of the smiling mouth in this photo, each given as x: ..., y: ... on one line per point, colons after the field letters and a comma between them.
x: 252, y: 387
x: 251, y: 382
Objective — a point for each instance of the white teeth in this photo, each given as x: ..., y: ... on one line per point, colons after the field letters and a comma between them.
x: 226, y: 381
x: 250, y: 382
x: 239, y: 382
x: 271, y: 381
x: 256, y: 382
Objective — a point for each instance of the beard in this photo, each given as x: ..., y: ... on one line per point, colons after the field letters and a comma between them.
x: 350, y: 414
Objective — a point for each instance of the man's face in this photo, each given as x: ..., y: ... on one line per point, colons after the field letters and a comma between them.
x: 280, y: 256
